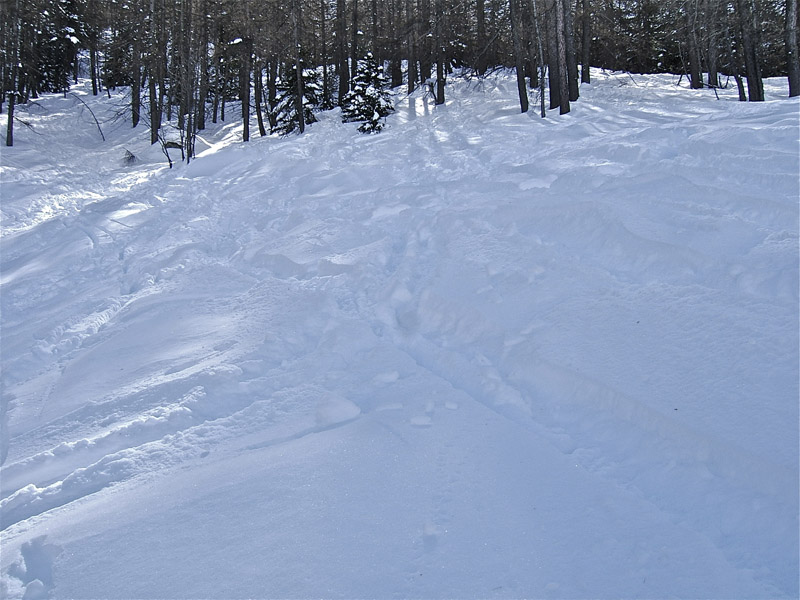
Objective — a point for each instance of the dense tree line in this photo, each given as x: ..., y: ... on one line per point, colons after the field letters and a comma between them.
x: 187, y: 60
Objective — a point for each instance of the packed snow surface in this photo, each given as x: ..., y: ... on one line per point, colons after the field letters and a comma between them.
x: 479, y: 354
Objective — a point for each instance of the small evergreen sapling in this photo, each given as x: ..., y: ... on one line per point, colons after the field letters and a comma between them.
x: 368, y: 101
x: 286, y: 117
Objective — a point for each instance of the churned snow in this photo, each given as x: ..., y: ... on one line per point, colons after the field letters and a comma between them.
x: 479, y: 354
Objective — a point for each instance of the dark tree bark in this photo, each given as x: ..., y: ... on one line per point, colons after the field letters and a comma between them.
x: 519, y: 53
x: 354, y: 43
x: 553, y: 75
x: 394, y: 43
x: 258, y: 93
x: 563, y: 74
x: 711, y: 18
x: 374, y: 45
x: 136, y: 83
x: 441, y: 53
x: 692, y: 33
x: 244, y: 86
x: 792, y: 48
x: 749, y: 36
x: 481, y: 64
x: 93, y: 68
x: 323, y: 18
x: 540, y: 48
x: 424, y: 52
x: 571, y: 54
x: 410, y: 46
x: 203, y: 90
x: 341, y: 51
x: 586, y: 41
x: 272, y: 92
x: 298, y: 65
x: 12, y: 96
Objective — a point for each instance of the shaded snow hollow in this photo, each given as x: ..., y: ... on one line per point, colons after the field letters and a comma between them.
x: 479, y: 354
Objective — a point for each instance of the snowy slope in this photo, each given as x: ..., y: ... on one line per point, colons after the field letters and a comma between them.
x: 476, y: 355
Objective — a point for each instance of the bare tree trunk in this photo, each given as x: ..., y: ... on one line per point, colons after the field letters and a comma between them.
x: 695, y: 75
x: 374, y: 32
x: 480, y: 37
x: 298, y: 66
x: 552, y: 55
x: 272, y: 92
x: 572, y: 56
x: 541, y: 58
x: 563, y: 76
x: 258, y: 92
x: 93, y: 67
x: 341, y: 51
x: 412, y: 33
x: 792, y: 48
x: 323, y: 18
x: 424, y: 51
x: 12, y: 96
x: 747, y: 26
x: 395, y: 64
x: 711, y: 14
x: 203, y: 90
x: 244, y: 86
x: 586, y: 41
x: 136, y: 83
x: 354, y: 44
x: 519, y: 52
x: 441, y: 54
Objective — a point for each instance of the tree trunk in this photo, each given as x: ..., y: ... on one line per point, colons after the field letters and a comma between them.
x: 441, y: 54
x: 374, y: 33
x: 93, y: 67
x: 712, y: 36
x: 272, y: 92
x: 541, y: 58
x: 480, y: 37
x: 136, y: 83
x: 258, y: 92
x: 341, y: 51
x: 412, y: 33
x: 12, y: 96
x: 553, y: 74
x: 11, y: 101
x: 298, y: 66
x: 244, y: 86
x: 586, y: 41
x: 572, y: 56
x: 519, y: 52
x: 354, y: 43
x: 792, y: 48
x: 749, y: 33
x: 695, y: 75
x: 563, y: 74
x: 203, y: 89
x: 153, y: 101
x: 326, y: 91
x: 423, y: 46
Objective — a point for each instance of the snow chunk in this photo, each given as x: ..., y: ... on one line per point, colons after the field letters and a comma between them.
x: 335, y: 409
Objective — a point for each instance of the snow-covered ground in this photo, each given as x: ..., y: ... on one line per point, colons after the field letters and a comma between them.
x: 479, y: 354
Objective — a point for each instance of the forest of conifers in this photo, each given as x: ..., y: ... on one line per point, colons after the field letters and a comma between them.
x: 183, y: 59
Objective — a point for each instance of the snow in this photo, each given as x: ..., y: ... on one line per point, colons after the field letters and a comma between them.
x: 479, y: 354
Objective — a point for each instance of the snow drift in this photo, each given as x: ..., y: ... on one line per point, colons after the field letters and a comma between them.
x: 479, y: 354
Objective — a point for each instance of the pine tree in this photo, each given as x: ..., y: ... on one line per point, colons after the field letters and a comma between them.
x: 368, y: 101
x: 286, y: 115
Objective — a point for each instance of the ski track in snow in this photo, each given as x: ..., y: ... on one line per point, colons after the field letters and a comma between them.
x: 620, y: 284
